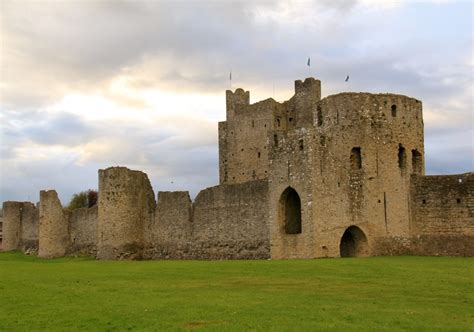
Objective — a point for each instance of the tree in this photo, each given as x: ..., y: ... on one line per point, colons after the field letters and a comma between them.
x: 83, y: 199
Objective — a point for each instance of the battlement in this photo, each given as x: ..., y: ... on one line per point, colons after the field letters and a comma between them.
x: 310, y: 86
x: 235, y: 100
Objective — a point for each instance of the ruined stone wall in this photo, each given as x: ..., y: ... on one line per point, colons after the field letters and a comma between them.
x: 29, y: 227
x: 54, y: 238
x: 20, y: 228
x: 126, y: 206
x: 231, y: 222
x: 83, y: 231
x: 11, y: 225
x: 225, y: 222
x: 169, y: 234
x: 443, y: 215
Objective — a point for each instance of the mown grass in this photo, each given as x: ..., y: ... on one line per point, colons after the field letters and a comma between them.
x: 369, y: 294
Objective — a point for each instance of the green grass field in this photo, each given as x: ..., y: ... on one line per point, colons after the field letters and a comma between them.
x: 370, y: 294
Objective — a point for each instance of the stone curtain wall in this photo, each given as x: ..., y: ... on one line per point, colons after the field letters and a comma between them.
x: 29, y: 227
x: 443, y: 215
x: 231, y: 222
x: 83, y: 231
x: 61, y: 232
x: 20, y: 226
x: 224, y: 222
x: 169, y: 234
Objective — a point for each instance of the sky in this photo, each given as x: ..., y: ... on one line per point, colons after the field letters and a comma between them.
x: 85, y: 85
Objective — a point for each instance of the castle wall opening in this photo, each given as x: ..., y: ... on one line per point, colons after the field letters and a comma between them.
x: 402, y: 158
x: 290, y: 203
x: 353, y: 243
x: 356, y: 158
x: 416, y: 161
x: 320, y: 116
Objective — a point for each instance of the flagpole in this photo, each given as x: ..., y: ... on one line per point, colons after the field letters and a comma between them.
x: 309, y: 66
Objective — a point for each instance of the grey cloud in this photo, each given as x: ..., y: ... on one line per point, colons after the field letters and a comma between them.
x: 54, y: 48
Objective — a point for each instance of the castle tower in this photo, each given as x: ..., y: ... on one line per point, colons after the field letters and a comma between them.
x: 53, y: 226
x: 243, y: 137
x: 126, y: 206
x: 350, y: 172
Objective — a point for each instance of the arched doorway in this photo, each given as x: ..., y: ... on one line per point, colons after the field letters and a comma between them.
x: 290, y: 211
x: 353, y: 243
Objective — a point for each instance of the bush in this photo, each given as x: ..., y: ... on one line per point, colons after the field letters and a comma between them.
x: 83, y: 199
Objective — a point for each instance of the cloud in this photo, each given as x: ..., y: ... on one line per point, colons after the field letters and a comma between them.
x: 141, y: 84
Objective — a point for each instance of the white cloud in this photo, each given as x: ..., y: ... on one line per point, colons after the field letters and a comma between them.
x: 95, y: 84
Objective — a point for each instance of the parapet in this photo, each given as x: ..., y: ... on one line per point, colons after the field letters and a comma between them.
x: 235, y: 100
x: 310, y: 87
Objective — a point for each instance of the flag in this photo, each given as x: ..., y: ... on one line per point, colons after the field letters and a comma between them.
x: 309, y: 62
x: 347, y: 78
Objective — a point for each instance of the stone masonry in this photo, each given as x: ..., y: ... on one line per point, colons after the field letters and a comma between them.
x: 309, y: 177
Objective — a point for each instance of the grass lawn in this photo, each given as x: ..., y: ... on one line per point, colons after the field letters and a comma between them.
x: 379, y: 293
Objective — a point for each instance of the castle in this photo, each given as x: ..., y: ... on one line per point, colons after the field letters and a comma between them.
x: 310, y: 177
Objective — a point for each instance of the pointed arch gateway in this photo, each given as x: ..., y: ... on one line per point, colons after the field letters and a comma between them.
x: 354, y: 243
x: 290, y: 211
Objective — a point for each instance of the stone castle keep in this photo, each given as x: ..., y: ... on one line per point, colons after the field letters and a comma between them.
x: 310, y: 177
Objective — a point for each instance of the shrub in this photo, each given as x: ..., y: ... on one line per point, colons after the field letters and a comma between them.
x: 82, y: 199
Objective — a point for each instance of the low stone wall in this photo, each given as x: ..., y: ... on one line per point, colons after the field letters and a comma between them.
x: 83, y: 231
x: 425, y: 245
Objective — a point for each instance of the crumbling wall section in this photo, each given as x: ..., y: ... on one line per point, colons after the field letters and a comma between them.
x: 169, y: 235
x: 83, y: 231
x: 20, y: 227
x: 231, y: 222
x: 29, y: 227
x: 126, y: 207
x: 53, y: 226
x: 11, y: 225
x: 443, y: 214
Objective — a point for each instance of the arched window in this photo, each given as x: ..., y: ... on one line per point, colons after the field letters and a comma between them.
x: 290, y: 211
x: 394, y: 110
